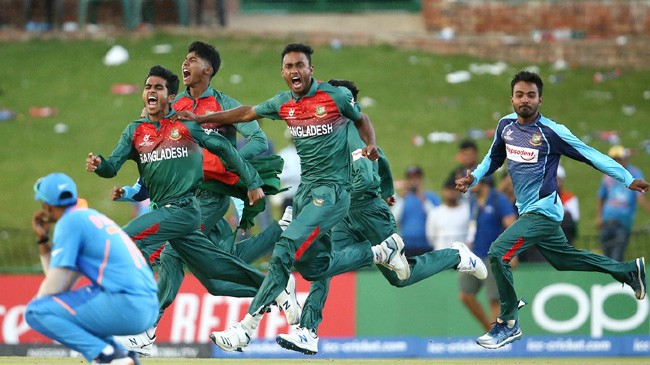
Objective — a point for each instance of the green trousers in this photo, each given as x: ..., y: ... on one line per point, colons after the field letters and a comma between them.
x: 179, y: 224
x: 367, y: 223
x: 537, y: 230
x: 307, y: 244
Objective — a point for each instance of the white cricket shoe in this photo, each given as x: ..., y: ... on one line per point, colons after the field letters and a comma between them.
x: 302, y: 340
x: 469, y: 262
x: 141, y: 343
x: 392, y: 251
x: 288, y: 302
x: 235, y: 338
x: 286, y: 218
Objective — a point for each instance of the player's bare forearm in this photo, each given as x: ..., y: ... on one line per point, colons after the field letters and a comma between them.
x: 367, y: 134
x: 243, y: 113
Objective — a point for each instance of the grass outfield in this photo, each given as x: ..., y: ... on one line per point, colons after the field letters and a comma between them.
x: 546, y: 361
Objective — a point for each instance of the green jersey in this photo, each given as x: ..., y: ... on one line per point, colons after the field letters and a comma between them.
x: 370, y: 179
x: 318, y: 125
x: 212, y: 101
x: 169, y: 156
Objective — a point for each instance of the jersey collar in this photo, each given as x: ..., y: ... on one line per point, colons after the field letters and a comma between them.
x: 206, y: 93
x: 312, y: 90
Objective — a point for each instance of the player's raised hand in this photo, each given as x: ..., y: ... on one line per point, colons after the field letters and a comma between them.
x: 255, y: 195
x: 370, y: 152
x: 464, y: 182
x: 639, y: 185
x: 92, y: 162
x: 41, y: 224
x: 117, y: 193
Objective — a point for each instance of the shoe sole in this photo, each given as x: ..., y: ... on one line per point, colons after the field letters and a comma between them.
x: 292, y: 346
x: 229, y: 349
x: 511, y: 339
x: 640, y: 271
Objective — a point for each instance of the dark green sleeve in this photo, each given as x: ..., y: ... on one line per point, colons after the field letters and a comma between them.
x: 386, y: 176
x: 256, y: 141
x: 220, y: 146
x: 123, y: 151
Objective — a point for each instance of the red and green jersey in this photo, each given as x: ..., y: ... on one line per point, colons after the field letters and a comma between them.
x: 212, y: 101
x: 169, y: 157
x: 318, y: 125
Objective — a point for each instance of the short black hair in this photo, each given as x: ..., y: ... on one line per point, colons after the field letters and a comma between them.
x: 207, y: 52
x: 170, y: 77
x: 450, y: 183
x: 527, y: 76
x: 346, y: 84
x: 298, y: 47
x: 467, y: 144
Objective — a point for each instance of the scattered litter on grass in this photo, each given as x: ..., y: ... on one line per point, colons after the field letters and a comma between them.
x: 606, y: 76
x: 418, y: 140
x: 413, y: 60
x: 124, y: 89
x: 458, y: 77
x: 116, y: 56
x: 437, y: 137
x: 628, y: 110
x: 6, y: 115
x: 42, y: 112
x: 646, y: 95
x: 488, y: 68
x: 235, y: 79
x: 60, y: 128
x: 367, y: 102
x: 336, y: 44
x: 162, y: 48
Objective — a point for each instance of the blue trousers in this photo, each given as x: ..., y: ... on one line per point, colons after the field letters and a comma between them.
x: 86, y: 319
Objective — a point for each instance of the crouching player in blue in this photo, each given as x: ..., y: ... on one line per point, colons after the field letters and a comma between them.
x: 533, y: 145
x: 122, y: 295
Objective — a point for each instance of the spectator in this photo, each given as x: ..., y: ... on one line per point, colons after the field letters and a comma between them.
x: 448, y: 222
x: 616, y: 208
x: 411, y: 209
x: 32, y: 26
x: 467, y: 158
x: 492, y: 213
x: 571, y: 207
x: 290, y: 176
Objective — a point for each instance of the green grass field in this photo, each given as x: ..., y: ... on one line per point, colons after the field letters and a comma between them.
x: 541, y: 361
x: 410, y: 94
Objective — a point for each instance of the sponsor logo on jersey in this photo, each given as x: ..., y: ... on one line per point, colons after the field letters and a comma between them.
x: 175, y: 135
x: 521, y: 154
x: 508, y: 135
x: 145, y: 141
x: 536, y: 139
x: 164, y: 154
x: 318, y: 202
x: 321, y: 111
x: 292, y: 112
x: 310, y: 130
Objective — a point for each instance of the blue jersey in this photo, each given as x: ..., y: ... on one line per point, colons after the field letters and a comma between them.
x: 619, y: 202
x: 489, y: 221
x: 533, y: 151
x: 90, y: 243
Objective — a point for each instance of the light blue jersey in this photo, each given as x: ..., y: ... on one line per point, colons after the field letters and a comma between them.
x: 89, y: 242
x: 533, y: 152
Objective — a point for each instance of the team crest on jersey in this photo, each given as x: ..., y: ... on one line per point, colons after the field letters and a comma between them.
x: 292, y: 111
x: 145, y: 141
x: 508, y: 135
x: 318, y: 202
x: 175, y: 135
x: 536, y: 139
x: 320, y: 111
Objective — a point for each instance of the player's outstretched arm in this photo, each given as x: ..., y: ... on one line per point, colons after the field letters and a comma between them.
x: 639, y: 185
x: 244, y: 113
x: 464, y: 182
